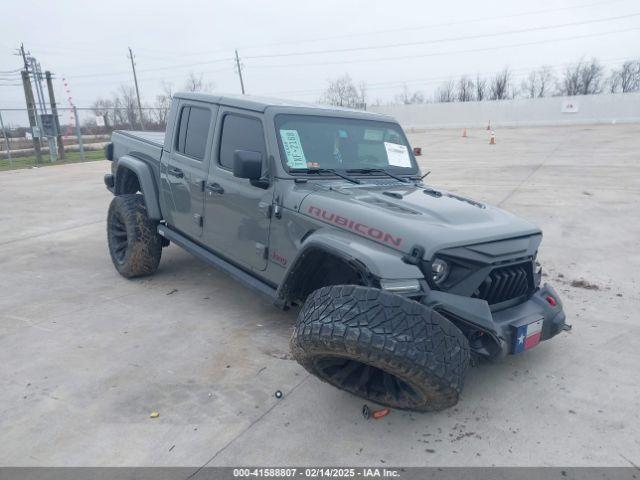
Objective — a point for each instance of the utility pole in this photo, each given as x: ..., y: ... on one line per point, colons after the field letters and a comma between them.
x: 28, y: 96
x: 135, y: 80
x: 54, y: 111
x: 239, y: 71
x: 37, y: 80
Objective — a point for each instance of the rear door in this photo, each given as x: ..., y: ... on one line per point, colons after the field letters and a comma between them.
x: 185, y: 167
x: 237, y: 211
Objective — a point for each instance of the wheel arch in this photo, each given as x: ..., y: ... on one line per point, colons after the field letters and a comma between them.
x: 133, y: 175
x: 325, y: 248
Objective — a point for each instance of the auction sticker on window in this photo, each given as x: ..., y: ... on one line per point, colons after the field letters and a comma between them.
x: 373, y: 135
x: 398, y: 155
x: 293, y: 149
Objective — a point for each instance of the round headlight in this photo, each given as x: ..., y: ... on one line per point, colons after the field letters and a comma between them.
x: 439, y: 271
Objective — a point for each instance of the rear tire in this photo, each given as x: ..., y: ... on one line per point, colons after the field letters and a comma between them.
x: 134, y: 243
x: 382, y: 347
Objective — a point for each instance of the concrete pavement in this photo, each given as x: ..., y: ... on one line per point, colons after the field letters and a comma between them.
x: 87, y: 355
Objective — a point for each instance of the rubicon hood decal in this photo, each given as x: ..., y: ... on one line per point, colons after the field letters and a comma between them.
x: 358, y: 227
x: 434, y: 223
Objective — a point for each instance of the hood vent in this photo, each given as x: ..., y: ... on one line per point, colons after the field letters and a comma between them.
x: 432, y: 192
x: 468, y: 200
x: 437, y: 194
x: 378, y: 202
x: 393, y: 195
x: 381, y: 182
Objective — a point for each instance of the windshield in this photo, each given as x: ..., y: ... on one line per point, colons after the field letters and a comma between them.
x: 315, y: 142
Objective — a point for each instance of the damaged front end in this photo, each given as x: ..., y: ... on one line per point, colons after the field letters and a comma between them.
x: 492, y: 292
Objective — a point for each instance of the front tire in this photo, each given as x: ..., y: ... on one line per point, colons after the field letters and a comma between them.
x: 381, y: 347
x: 134, y: 243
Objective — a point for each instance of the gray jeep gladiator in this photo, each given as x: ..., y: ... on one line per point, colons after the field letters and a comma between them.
x: 400, y: 283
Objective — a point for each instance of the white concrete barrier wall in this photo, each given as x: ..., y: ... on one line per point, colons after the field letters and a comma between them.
x: 583, y: 109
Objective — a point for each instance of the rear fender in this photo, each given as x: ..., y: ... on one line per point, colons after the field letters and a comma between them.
x: 145, y: 179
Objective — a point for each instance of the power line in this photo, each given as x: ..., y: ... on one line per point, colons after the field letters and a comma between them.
x: 168, y: 67
x: 442, y: 40
x: 454, y: 52
x: 395, y: 30
x: 374, y: 60
x: 435, y: 25
x: 431, y: 80
x: 147, y: 79
x: 403, y: 44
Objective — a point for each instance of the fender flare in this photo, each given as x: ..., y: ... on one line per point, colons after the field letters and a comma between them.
x: 369, y: 258
x: 147, y: 183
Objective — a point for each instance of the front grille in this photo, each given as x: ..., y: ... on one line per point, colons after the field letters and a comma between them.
x: 506, y: 283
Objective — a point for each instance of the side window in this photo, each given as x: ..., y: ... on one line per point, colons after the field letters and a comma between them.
x: 240, y: 133
x: 193, y: 131
x: 182, y: 129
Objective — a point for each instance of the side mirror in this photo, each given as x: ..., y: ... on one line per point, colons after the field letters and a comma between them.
x: 247, y: 164
x: 417, y: 151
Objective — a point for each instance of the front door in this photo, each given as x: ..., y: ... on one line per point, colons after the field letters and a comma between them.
x: 186, y: 165
x: 236, y: 211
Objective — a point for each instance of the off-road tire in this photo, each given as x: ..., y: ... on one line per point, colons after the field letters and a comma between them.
x: 134, y: 243
x: 381, y: 347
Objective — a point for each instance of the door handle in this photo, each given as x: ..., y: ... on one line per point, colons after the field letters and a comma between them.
x: 215, y: 188
x: 176, y: 172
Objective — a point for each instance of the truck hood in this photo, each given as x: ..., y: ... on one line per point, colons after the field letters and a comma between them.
x: 401, y: 216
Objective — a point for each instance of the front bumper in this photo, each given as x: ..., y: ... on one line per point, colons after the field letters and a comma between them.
x: 492, y: 334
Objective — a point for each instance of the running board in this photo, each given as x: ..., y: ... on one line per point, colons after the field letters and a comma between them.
x: 217, y: 261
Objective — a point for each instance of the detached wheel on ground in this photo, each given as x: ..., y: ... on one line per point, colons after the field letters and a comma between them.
x: 381, y: 347
x: 134, y: 243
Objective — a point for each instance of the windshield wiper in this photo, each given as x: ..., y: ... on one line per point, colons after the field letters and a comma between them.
x: 324, y: 170
x: 377, y: 170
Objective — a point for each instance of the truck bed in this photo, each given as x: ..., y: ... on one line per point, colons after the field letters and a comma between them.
x: 154, y: 138
x: 146, y: 146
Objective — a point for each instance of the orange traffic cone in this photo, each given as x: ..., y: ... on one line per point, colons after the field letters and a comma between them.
x: 492, y: 138
x: 464, y: 133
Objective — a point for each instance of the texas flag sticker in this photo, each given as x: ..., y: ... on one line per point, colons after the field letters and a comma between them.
x: 527, y: 336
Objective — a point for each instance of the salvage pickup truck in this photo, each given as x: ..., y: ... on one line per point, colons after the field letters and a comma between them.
x: 399, y: 284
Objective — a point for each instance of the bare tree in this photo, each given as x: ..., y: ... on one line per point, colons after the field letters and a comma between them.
x: 163, y: 103
x: 570, y: 83
x: 129, y: 104
x: 408, y: 97
x: 481, y: 88
x: 445, y: 92
x: 465, y: 91
x: 591, y: 77
x: 583, y: 78
x: 342, y: 92
x: 500, y: 85
x: 626, y: 79
x: 538, y: 83
x: 103, y: 107
x: 196, y: 83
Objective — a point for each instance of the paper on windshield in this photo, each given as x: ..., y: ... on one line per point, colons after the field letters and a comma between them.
x: 293, y: 149
x: 398, y: 155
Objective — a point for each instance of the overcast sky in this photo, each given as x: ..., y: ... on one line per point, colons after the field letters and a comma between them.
x: 278, y: 41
